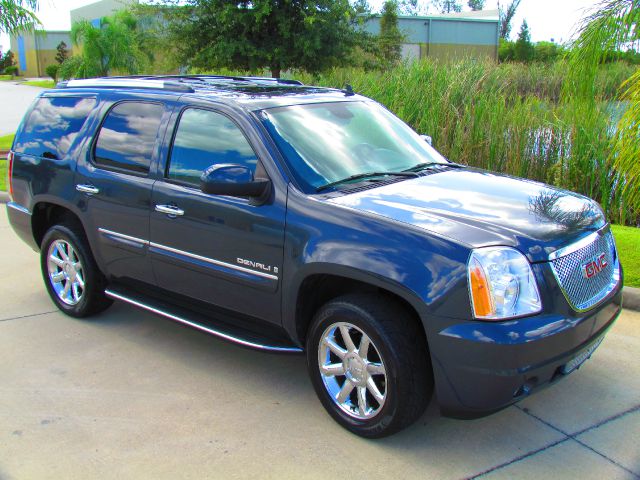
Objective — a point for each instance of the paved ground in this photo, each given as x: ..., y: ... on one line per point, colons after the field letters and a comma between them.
x: 130, y: 395
x: 14, y: 101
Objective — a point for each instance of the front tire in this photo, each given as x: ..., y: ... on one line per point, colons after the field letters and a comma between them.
x: 369, y: 364
x: 72, y: 278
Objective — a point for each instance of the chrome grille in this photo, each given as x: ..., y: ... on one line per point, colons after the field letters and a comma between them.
x: 581, y: 292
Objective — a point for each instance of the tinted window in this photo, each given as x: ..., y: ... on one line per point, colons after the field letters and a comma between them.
x: 53, y: 125
x: 206, y: 138
x: 128, y: 136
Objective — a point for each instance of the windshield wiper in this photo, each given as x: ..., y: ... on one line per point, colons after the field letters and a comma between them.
x: 422, y: 166
x: 366, y: 175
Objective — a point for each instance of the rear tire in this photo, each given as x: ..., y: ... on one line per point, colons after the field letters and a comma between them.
x: 369, y: 364
x: 72, y: 278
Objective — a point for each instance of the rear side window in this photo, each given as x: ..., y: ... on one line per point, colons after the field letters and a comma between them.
x: 53, y: 125
x: 128, y: 136
x: 205, y: 138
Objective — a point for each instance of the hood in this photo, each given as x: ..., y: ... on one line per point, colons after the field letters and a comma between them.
x: 480, y: 208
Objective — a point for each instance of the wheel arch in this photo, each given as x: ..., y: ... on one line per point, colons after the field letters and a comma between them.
x: 323, y: 283
x: 45, y: 214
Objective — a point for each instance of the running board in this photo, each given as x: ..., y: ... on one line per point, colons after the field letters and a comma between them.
x: 192, y: 321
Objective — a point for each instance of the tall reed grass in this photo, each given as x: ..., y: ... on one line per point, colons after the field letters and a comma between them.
x: 509, y: 118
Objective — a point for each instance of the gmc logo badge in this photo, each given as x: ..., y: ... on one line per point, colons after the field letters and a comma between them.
x: 594, y: 266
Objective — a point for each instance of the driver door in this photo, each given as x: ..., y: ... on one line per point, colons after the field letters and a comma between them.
x: 218, y: 249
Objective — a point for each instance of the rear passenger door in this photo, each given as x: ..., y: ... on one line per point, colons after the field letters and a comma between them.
x: 114, y: 186
x: 218, y: 249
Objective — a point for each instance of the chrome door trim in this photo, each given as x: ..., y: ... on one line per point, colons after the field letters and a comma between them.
x: 211, y: 331
x: 213, y: 261
x: 122, y: 236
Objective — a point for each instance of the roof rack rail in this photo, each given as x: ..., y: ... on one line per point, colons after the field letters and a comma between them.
x: 205, y: 77
x: 128, y: 82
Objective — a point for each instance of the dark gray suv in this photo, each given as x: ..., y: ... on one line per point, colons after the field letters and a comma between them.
x: 291, y: 218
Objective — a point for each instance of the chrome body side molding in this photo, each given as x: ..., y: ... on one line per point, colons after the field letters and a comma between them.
x: 212, y: 261
x: 19, y: 208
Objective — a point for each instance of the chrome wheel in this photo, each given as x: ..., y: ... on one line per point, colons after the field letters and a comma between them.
x: 66, y: 273
x: 354, y: 376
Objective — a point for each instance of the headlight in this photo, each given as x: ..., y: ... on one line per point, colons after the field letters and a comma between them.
x: 501, y: 284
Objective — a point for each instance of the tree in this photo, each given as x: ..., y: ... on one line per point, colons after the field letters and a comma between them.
x: 254, y: 34
x: 361, y: 7
x: 476, y: 5
x: 506, y: 51
x: 114, y: 45
x: 390, y: 39
x: 613, y: 26
x: 547, y: 52
x: 506, y: 17
x: 18, y: 15
x: 447, y: 6
x: 61, y: 52
x: 6, y: 60
x: 524, y: 49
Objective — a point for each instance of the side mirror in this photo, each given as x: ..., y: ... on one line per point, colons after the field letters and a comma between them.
x: 232, y: 180
x: 427, y: 139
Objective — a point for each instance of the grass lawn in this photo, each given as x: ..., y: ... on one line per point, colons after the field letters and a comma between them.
x: 40, y: 83
x: 5, y: 144
x: 6, y: 141
x: 628, y: 243
x: 3, y: 175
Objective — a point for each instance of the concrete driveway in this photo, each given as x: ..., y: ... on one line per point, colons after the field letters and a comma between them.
x: 131, y: 395
x: 14, y: 100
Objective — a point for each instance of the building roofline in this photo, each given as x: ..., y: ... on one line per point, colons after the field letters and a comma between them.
x: 440, y: 17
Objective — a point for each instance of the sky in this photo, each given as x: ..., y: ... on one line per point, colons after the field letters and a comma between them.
x: 547, y: 19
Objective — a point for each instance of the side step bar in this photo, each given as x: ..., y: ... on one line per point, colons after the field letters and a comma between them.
x: 192, y: 321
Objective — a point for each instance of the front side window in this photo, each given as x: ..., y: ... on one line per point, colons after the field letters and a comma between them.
x: 128, y: 136
x: 327, y: 142
x: 206, y: 138
x: 52, y: 126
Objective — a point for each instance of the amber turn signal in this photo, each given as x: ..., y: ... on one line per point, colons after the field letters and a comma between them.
x: 480, y: 293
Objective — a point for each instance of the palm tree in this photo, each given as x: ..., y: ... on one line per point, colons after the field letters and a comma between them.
x: 112, y: 46
x: 17, y: 15
x: 614, y: 25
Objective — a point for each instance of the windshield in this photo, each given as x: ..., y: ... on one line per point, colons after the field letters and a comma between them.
x: 327, y: 142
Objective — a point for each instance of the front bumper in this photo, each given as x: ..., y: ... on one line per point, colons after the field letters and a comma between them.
x: 482, y: 367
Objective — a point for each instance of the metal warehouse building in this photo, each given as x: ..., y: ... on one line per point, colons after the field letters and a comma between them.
x: 468, y: 34
x: 35, y: 51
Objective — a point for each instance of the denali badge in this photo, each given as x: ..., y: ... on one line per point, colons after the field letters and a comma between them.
x: 261, y: 266
x: 594, y: 266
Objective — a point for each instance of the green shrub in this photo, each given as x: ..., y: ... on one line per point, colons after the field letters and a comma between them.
x: 11, y: 70
x: 52, y: 71
x: 72, y: 67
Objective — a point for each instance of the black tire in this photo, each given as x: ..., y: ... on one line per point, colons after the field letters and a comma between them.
x: 92, y: 299
x: 400, y: 345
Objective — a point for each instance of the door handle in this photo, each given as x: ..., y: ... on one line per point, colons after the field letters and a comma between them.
x: 89, y: 189
x: 170, y: 210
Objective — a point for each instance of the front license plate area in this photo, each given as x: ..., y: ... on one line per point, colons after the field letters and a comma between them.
x: 579, y: 359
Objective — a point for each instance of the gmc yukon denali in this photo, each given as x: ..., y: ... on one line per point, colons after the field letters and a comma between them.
x: 291, y: 218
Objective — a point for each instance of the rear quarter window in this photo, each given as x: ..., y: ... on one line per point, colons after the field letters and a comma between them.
x: 52, y: 126
x: 128, y: 136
